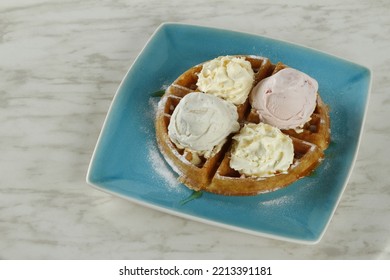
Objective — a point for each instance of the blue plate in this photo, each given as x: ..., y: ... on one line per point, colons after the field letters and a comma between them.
x: 126, y: 161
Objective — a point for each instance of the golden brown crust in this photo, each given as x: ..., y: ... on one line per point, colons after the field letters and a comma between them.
x: 214, y: 174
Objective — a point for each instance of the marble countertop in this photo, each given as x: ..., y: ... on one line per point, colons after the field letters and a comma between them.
x: 60, y: 65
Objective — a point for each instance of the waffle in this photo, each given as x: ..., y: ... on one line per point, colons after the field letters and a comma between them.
x: 214, y: 174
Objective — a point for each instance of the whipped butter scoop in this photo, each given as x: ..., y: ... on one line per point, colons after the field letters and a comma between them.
x: 261, y: 150
x: 202, y: 122
x: 286, y: 99
x: 228, y: 77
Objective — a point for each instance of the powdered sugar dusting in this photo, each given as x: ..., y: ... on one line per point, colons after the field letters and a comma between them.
x: 153, y: 105
x: 277, y: 201
x: 159, y: 166
x: 155, y: 158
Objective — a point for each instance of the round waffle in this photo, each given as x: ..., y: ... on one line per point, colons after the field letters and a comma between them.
x: 214, y: 174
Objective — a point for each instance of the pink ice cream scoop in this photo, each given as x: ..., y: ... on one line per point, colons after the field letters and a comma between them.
x: 286, y: 99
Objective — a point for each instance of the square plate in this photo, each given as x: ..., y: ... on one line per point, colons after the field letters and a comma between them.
x: 126, y: 161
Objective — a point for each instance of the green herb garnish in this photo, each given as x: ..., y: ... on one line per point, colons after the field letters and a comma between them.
x: 314, y: 173
x: 158, y: 93
x: 194, y: 195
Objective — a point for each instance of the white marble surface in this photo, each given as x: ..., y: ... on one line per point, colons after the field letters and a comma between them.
x: 60, y: 65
